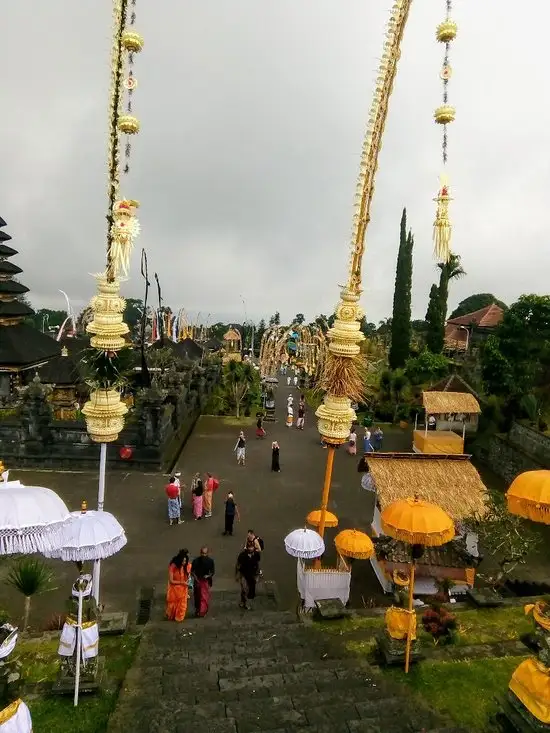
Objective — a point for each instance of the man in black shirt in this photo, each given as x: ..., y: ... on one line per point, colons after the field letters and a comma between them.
x: 246, y: 572
x: 202, y: 570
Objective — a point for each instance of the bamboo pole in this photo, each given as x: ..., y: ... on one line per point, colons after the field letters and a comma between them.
x: 409, y: 632
x: 326, y: 494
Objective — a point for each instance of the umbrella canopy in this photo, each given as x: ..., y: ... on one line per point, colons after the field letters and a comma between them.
x: 314, y: 518
x: 31, y: 518
x: 89, y: 535
x: 417, y: 522
x: 304, y: 543
x: 352, y: 543
x: 529, y: 496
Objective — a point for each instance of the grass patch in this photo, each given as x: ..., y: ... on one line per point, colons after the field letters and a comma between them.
x: 235, y: 422
x: 463, y: 690
x: 476, y: 626
x: 40, y: 664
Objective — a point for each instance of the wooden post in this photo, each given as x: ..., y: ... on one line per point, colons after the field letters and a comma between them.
x: 409, y: 632
x: 325, y: 496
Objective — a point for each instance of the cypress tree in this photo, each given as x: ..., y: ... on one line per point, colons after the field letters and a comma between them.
x: 401, y: 331
x: 435, y: 334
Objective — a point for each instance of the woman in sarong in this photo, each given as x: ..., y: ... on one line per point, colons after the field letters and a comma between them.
x: 211, y: 484
x: 352, y: 443
x: 275, y: 465
x: 260, y: 432
x: 202, y: 570
x: 179, y: 580
x: 289, y: 417
x: 197, y: 492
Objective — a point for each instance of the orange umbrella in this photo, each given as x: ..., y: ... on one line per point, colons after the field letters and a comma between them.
x: 352, y: 543
x: 314, y: 518
x: 416, y: 522
x: 529, y: 496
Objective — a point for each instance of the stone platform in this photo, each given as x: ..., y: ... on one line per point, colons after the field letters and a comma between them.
x: 257, y: 671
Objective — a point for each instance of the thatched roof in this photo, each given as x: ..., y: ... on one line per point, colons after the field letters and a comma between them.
x: 438, y: 403
x: 451, y: 482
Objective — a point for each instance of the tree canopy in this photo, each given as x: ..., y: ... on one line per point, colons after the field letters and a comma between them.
x: 435, y: 333
x: 401, y: 316
x: 516, y: 359
x: 475, y: 303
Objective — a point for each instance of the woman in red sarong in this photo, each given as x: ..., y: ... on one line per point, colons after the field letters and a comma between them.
x: 202, y: 570
x: 179, y: 575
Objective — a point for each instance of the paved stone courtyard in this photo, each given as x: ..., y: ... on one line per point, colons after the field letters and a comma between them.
x: 259, y: 671
x: 272, y: 504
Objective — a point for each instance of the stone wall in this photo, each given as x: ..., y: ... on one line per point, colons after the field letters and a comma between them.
x: 522, y: 449
x: 156, y: 430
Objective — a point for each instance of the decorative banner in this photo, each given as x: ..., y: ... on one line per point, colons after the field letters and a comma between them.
x: 444, y: 115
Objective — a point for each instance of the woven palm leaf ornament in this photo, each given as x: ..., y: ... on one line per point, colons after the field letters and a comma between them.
x: 444, y: 115
x: 124, y: 223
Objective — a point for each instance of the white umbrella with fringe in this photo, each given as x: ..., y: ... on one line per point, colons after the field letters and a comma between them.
x: 305, y: 544
x: 31, y: 519
x: 89, y: 535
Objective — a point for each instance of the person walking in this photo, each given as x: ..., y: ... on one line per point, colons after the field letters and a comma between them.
x: 231, y: 512
x: 246, y: 573
x: 179, y: 581
x: 240, y: 449
x: 352, y: 442
x: 301, y: 416
x: 275, y: 465
x: 288, y: 380
x: 197, y: 491
x: 289, y: 416
x: 367, y: 445
x: 260, y: 432
x: 295, y: 380
x: 210, y: 486
x: 173, y: 492
x: 377, y: 438
x: 202, y: 570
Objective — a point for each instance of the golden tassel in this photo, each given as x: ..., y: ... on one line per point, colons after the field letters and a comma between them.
x: 442, y: 226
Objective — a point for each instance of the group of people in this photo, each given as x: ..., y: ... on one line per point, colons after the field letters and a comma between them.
x: 300, y: 422
x: 185, y: 577
x: 202, y: 494
x: 371, y: 441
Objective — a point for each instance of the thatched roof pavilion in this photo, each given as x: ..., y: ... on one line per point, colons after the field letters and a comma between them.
x: 443, y: 403
x: 451, y: 481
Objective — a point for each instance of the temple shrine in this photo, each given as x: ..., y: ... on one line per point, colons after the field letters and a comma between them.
x: 22, y: 347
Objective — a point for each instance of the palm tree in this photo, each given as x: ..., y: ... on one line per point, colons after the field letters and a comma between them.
x: 450, y: 270
x: 30, y: 577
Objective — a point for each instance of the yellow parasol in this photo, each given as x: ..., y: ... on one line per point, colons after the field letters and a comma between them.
x: 416, y: 522
x: 314, y: 518
x: 529, y: 496
x: 352, y: 543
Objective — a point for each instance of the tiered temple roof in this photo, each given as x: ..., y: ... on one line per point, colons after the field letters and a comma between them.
x: 21, y: 345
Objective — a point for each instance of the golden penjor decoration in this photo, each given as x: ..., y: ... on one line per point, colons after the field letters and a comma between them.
x: 104, y: 412
x: 344, y: 371
x: 444, y: 115
x: 311, y: 345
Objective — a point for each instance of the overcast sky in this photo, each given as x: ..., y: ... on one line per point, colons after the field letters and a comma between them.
x: 252, y: 117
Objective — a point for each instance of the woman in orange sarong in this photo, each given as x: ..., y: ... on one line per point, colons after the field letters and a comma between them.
x: 179, y: 574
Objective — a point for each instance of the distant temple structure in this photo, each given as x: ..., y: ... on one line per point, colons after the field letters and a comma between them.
x: 22, y: 347
x: 463, y: 332
x: 233, y: 346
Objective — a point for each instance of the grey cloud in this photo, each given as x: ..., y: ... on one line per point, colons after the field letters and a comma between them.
x: 252, y: 121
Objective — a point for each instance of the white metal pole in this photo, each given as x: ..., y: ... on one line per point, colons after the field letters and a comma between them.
x: 78, y: 644
x: 100, y: 502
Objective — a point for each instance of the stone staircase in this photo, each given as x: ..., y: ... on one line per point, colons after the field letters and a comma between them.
x: 257, y: 671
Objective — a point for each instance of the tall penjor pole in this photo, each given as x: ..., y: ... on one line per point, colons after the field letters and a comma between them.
x: 344, y: 374
x: 444, y: 115
x: 104, y: 412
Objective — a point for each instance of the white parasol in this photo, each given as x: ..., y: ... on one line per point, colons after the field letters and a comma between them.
x: 31, y: 518
x: 89, y: 535
x: 304, y: 543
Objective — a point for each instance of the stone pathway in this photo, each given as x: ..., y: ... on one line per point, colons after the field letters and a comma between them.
x: 246, y: 672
